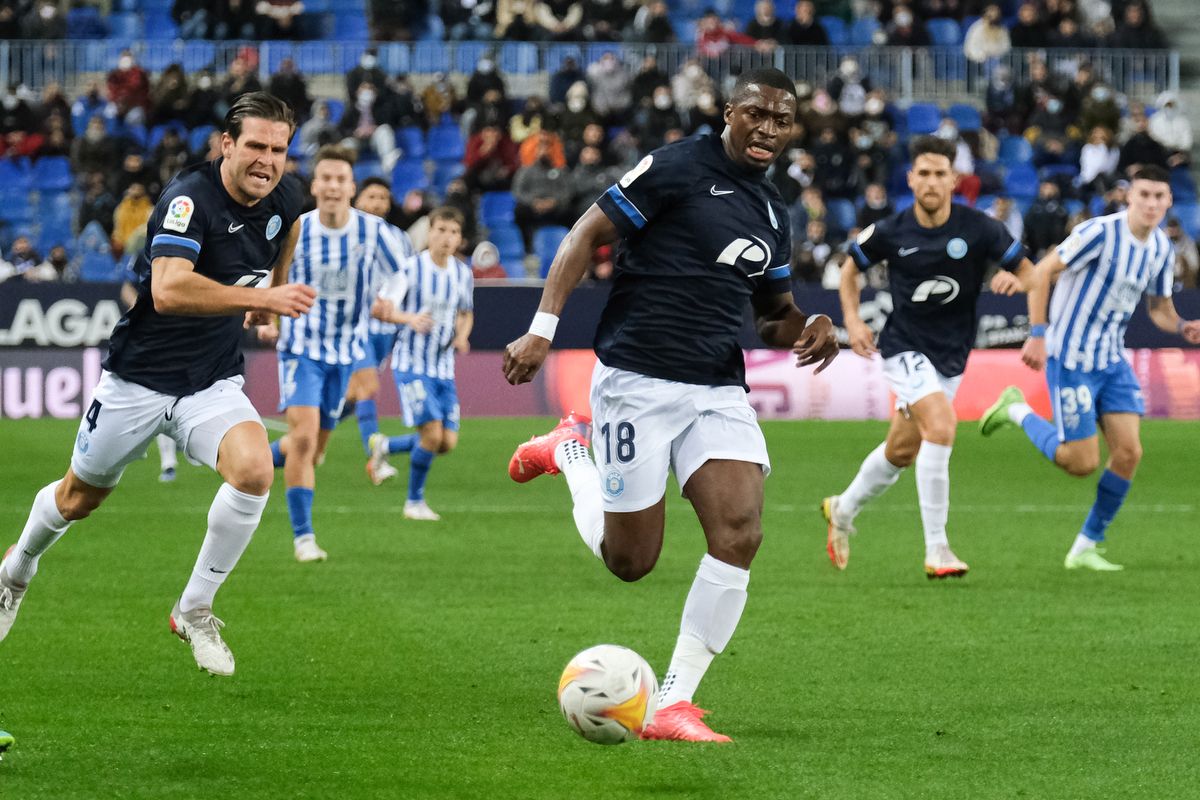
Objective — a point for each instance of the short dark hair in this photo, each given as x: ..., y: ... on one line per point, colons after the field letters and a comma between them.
x: 367, y: 183
x: 767, y: 76
x: 932, y: 145
x: 260, y: 105
x: 448, y: 214
x: 1150, y: 172
x: 334, y: 152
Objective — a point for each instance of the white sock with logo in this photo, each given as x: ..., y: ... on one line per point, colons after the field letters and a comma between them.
x: 933, y: 491
x: 166, y: 452
x: 232, y: 519
x: 583, y: 479
x: 710, y: 616
x: 873, y: 479
x: 44, y: 527
x: 1081, y: 544
x: 1017, y: 412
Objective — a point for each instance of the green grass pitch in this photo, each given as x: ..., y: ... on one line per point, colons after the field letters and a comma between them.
x: 421, y: 660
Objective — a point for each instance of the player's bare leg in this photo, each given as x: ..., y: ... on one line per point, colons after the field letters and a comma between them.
x: 1122, y: 434
x: 55, y: 508
x: 303, y: 444
x: 244, y: 461
x: 728, y: 499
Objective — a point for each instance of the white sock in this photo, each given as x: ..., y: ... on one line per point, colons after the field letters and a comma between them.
x: 584, y: 481
x: 933, y: 491
x: 232, y: 519
x: 1017, y: 412
x: 1081, y: 544
x: 166, y: 452
x: 710, y: 616
x: 44, y: 527
x: 873, y: 479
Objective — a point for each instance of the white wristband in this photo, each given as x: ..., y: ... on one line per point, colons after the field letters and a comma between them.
x: 544, y: 325
x: 813, y: 319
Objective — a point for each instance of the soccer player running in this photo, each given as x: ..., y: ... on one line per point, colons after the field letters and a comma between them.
x: 937, y: 254
x: 374, y: 197
x: 437, y: 314
x: 703, y: 232
x: 339, y: 251
x: 1103, y: 268
x: 175, y: 364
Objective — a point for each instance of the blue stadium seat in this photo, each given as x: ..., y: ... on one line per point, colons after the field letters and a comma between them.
x: 519, y: 58
x: 1021, y: 181
x: 835, y: 29
x: 444, y: 143
x: 198, y: 55
x: 198, y: 137
x: 160, y: 25
x: 923, y: 118
x: 162, y: 6
x: 444, y: 172
x: 1183, y: 186
x: 351, y: 27
x: 394, y: 57
x: 53, y: 233
x: 841, y: 214
x: 17, y: 209
x: 431, y: 29
x: 1074, y: 206
x: 898, y: 180
x: 508, y: 241
x: 545, y: 244
x: 16, y: 174
x: 862, y: 32
x: 902, y: 201
x: 1189, y: 217
x: 367, y: 168
x: 967, y: 117
x: 52, y: 174
x: 85, y: 23
x: 411, y: 141
x: 99, y: 268
x: 1052, y: 171
x: 944, y: 32
x: 124, y: 25
x: 408, y: 175
x: 430, y: 57
x: 336, y: 109
x: 1015, y: 150
x: 497, y: 208
x: 467, y: 55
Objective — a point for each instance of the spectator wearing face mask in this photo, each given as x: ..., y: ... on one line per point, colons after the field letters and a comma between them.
x: 705, y: 116
x: 689, y: 83
x: 652, y: 23
x: 485, y: 79
x: 987, y: 38
x: 647, y: 79
x: 1046, y: 220
x: 55, y: 269
x: 1097, y: 162
x: 654, y: 118
x: 530, y: 121
x: 543, y: 192
x: 367, y: 71
x: 567, y: 75
x: 1187, y: 257
x: 904, y: 31
x: 611, y: 88
x: 849, y: 87
x: 875, y: 207
x: 575, y: 119
x: 128, y: 90
x: 491, y: 161
x: 969, y: 184
x: 202, y: 102
x: 366, y: 125
x: 468, y: 20
x: 1170, y: 128
x: 868, y: 162
x: 45, y: 21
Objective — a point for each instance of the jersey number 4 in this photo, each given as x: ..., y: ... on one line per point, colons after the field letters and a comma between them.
x: 624, y: 444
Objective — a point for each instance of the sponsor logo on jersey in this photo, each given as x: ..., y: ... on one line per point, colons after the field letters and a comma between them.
x: 179, y: 214
x: 614, y: 483
x: 941, y: 289
x: 956, y: 248
x: 757, y: 256
x: 273, y: 226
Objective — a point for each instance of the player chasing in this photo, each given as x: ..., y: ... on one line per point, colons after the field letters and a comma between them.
x: 938, y: 253
x: 375, y: 197
x: 702, y: 232
x: 1103, y: 268
x: 437, y: 314
x: 175, y: 364
x: 339, y: 252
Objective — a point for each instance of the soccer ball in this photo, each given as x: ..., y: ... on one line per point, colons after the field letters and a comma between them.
x: 607, y: 694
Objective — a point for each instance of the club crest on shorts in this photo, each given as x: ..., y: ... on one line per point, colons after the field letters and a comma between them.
x: 273, y: 226
x: 614, y: 483
x: 956, y: 247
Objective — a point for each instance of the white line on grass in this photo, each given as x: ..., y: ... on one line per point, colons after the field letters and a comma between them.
x: 783, y: 508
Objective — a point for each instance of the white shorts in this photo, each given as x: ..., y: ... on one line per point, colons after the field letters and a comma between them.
x: 643, y: 426
x: 911, y: 376
x: 124, y: 417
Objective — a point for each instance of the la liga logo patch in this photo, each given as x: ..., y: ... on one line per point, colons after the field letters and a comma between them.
x: 179, y: 214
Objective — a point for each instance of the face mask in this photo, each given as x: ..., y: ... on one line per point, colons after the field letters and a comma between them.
x: 1054, y: 106
x: 947, y: 133
x: 874, y: 107
x: 877, y: 204
x: 1100, y: 94
x: 576, y: 104
x: 94, y: 135
x: 366, y: 97
x: 863, y: 142
x: 125, y: 62
x: 705, y: 101
x: 903, y: 20
x: 10, y: 101
x: 369, y: 62
x: 48, y: 12
x: 205, y: 82
x: 486, y: 66
x: 662, y: 101
x: 849, y: 70
x: 693, y: 71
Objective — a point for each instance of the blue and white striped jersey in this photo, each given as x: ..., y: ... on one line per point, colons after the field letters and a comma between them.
x: 442, y: 292
x: 1108, y: 271
x: 406, y: 252
x: 341, y: 265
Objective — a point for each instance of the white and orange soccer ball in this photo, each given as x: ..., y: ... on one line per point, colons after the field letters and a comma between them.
x: 608, y: 694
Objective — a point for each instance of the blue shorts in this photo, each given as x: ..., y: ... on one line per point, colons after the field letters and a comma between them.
x: 1079, y: 398
x: 424, y: 399
x: 378, y: 348
x: 304, y: 382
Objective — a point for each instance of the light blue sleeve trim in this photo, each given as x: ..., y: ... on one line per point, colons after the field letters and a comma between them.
x: 627, y: 207
x: 782, y: 271
x: 1011, y: 252
x: 179, y: 241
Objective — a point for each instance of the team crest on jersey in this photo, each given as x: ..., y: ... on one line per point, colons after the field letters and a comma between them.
x: 81, y: 443
x: 273, y: 226
x: 614, y: 483
x: 956, y: 247
x: 179, y: 214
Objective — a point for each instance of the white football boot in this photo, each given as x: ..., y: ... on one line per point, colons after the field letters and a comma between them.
x: 202, y: 631
x: 420, y: 510
x: 307, y: 550
x: 11, y: 594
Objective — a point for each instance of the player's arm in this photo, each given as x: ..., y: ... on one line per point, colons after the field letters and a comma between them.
x: 1165, y: 317
x: 385, y: 310
x: 524, y: 357
x: 1037, y: 289
x: 1010, y: 282
x: 862, y: 339
x: 463, y: 323
x: 780, y: 323
x: 178, y: 289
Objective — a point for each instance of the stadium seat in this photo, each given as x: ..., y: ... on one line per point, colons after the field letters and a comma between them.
x: 430, y: 57
x: 351, y: 27
x: 1052, y: 171
x: 1015, y: 150
x: 497, y: 208
x: 99, y: 268
x: 944, y: 32
x: 842, y: 216
x: 444, y: 143
x: 898, y: 180
x: 160, y: 25
x: 411, y: 141
x: 1183, y: 186
x: 967, y: 117
x: 198, y: 137
x: 508, y: 241
x: 862, y: 31
x: 16, y: 208
x: 835, y: 29
x: 545, y: 244
x: 1189, y: 217
x: 16, y: 174
x: 85, y: 23
x: 1021, y: 181
x: 444, y: 172
x: 52, y: 174
x: 431, y: 29
x: 1074, y: 206
x: 408, y: 175
x: 336, y: 109
x: 367, y: 168
x: 123, y: 25
x: 53, y: 233
x: 923, y: 118
x: 159, y: 131
x: 198, y: 55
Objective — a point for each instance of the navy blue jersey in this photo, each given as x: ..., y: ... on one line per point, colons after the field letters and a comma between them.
x: 195, y: 218
x: 700, y: 236
x: 935, y: 276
